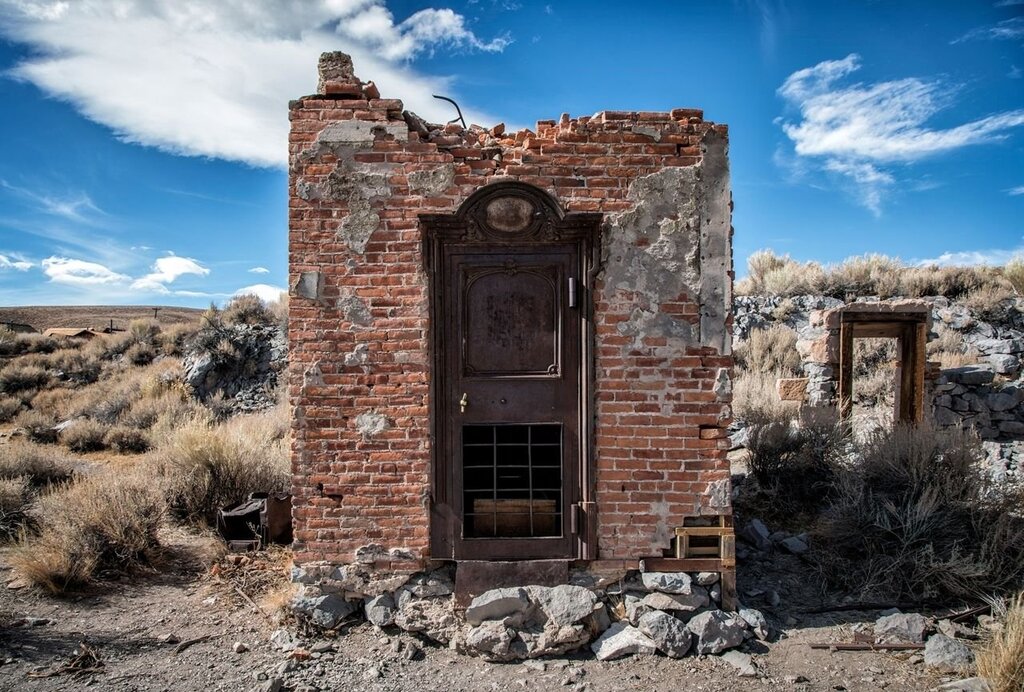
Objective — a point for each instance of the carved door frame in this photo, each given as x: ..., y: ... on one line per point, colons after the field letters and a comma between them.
x: 518, y: 217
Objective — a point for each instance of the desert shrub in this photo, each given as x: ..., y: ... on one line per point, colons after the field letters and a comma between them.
x: 1000, y: 659
x: 914, y: 516
x: 52, y: 402
x: 865, y: 275
x: 17, y: 377
x: 756, y: 400
x: 771, y: 274
x: 14, y: 501
x: 991, y: 303
x: 72, y: 365
x: 39, y: 466
x: 140, y: 354
x: 1013, y: 272
x: 9, y: 408
x: 174, y: 338
x: 12, y: 344
x: 126, y: 440
x: 84, y: 436
x: 38, y: 427
x: 247, y: 309
x: 102, y: 522
x: 105, y: 401
x: 795, y: 465
x: 770, y: 349
x: 205, y: 466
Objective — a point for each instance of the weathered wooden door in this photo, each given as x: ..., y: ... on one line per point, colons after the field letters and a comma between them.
x: 510, y: 389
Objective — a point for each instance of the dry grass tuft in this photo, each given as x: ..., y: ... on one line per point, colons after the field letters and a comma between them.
x: 127, y: 440
x: 17, y: 377
x: 1001, y: 659
x: 84, y: 436
x: 755, y: 399
x: 204, y: 466
x: 770, y: 349
x: 37, y: 426
x: 1013, y: 272
x: 102, y: 522
x: 991, y: 303
x: 914, y: 516
x: 14, y: 502
x: 10, y: 407
x: 39, y: 465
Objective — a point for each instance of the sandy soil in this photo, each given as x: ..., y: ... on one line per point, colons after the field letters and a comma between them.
x: 94, y: 316
x: 136, y: 626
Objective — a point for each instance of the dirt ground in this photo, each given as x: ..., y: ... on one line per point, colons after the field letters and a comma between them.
x: 176, y: 628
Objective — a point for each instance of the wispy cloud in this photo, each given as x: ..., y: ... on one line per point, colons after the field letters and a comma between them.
x: 992, y: 257
x: 76, y: 272
x: 165, y: 271
x: 75, y: 206
x: 1006, y: 30
x: 211, y: 79
x: 13, y: 262
x: 1019, y: 190
x: 1008, y: 3
x: 259, y: 270
x: 857, y: 130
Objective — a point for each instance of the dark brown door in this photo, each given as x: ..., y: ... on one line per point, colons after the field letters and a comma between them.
x: 511, y: 399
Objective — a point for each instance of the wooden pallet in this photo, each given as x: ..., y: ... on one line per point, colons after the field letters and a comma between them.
x: 714, y: 538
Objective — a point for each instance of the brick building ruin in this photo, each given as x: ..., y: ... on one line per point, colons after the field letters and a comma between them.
x: 510, y: 351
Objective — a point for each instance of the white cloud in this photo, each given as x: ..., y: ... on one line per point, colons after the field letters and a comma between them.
x: 76, y: 272
x: 213, y: 79
x: 853, y: 130
x: 1019, y: 190
x: 21, y: 265
x: 259, y: 270
x: 1006, y: 30
x: 962, y: 258
x: 266, y: 293
x: 165, y: 271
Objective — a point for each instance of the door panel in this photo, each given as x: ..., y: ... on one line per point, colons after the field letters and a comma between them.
x: 512, y: 400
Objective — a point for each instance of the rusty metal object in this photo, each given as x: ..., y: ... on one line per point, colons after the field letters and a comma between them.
x: 255, y: 523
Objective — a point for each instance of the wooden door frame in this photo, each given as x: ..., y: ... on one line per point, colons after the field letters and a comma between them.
x: 540, y: 222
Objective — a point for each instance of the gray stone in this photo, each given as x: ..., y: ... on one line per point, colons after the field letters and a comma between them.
x: 566, y: 604
x: 947, y: 655
x: 622, y: 640
x: 1004, y: 363
x: 380, y: 610
x: 697, y: 598
x: 901, y: 628
x: 716, y: 631
x: 706, y: 578
x: 756, y: 534
x: 355, y: 311
x: 669, y: 634
x: 433, y: 617
x: 1011, y: 427
x: 327, y: 611
x: 635, y: 608
x: 667, y: 582
x: 497, y: 604
x: 970, y: 374
x: 1000, y: 401
x: 271, y: 685
x: 436, y: 583
x: 945, y: 417
x: 282, y: 640
x: 360, y: 133
x: 794, y: 545
x: 741, y: 662
x: 494, y: 640
x: 309, y: 285
x: 755, y: 619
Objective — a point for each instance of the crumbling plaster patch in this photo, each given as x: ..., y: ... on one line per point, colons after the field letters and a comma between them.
x: 652, y: 251
x: 370, y: 423
x: 354, y: 310
x: 432, y: 181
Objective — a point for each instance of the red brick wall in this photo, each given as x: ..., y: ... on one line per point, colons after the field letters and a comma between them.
x: 358, y: 321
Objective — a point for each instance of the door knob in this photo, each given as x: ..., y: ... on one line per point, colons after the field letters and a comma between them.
x: 463, y: 403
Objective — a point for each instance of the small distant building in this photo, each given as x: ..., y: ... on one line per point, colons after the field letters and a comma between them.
x: 19, y: 327
x: 71, y: 333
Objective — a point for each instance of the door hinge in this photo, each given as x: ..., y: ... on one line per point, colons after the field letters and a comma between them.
x: 572, y: 292
x: 574, y: 518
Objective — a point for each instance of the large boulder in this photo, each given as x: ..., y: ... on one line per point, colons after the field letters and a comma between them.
x: 669, y: 634
x: 947, y: 655
x: 380, y: 610
x: 497, y: 604
x: 565, y: 604
x: 901, y: 628
x: 716, y: 631
x: 678, y: 601
x: 667, y: 582
x: 622, y: 640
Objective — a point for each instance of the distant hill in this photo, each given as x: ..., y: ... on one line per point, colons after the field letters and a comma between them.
x: 95, y: 316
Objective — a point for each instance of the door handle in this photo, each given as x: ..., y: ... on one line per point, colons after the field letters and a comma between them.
x: 463, y: 403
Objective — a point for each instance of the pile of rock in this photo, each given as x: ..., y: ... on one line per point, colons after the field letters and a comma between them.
x: 968, y: 396
x: 240, y: 363
x: 640, y: 613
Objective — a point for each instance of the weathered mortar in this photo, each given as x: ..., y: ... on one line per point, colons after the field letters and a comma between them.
x: 362, y: 171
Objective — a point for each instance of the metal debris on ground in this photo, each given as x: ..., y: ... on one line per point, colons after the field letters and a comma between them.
x: 84, y: 661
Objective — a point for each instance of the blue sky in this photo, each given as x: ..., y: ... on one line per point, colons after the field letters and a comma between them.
x: 142, y: 142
